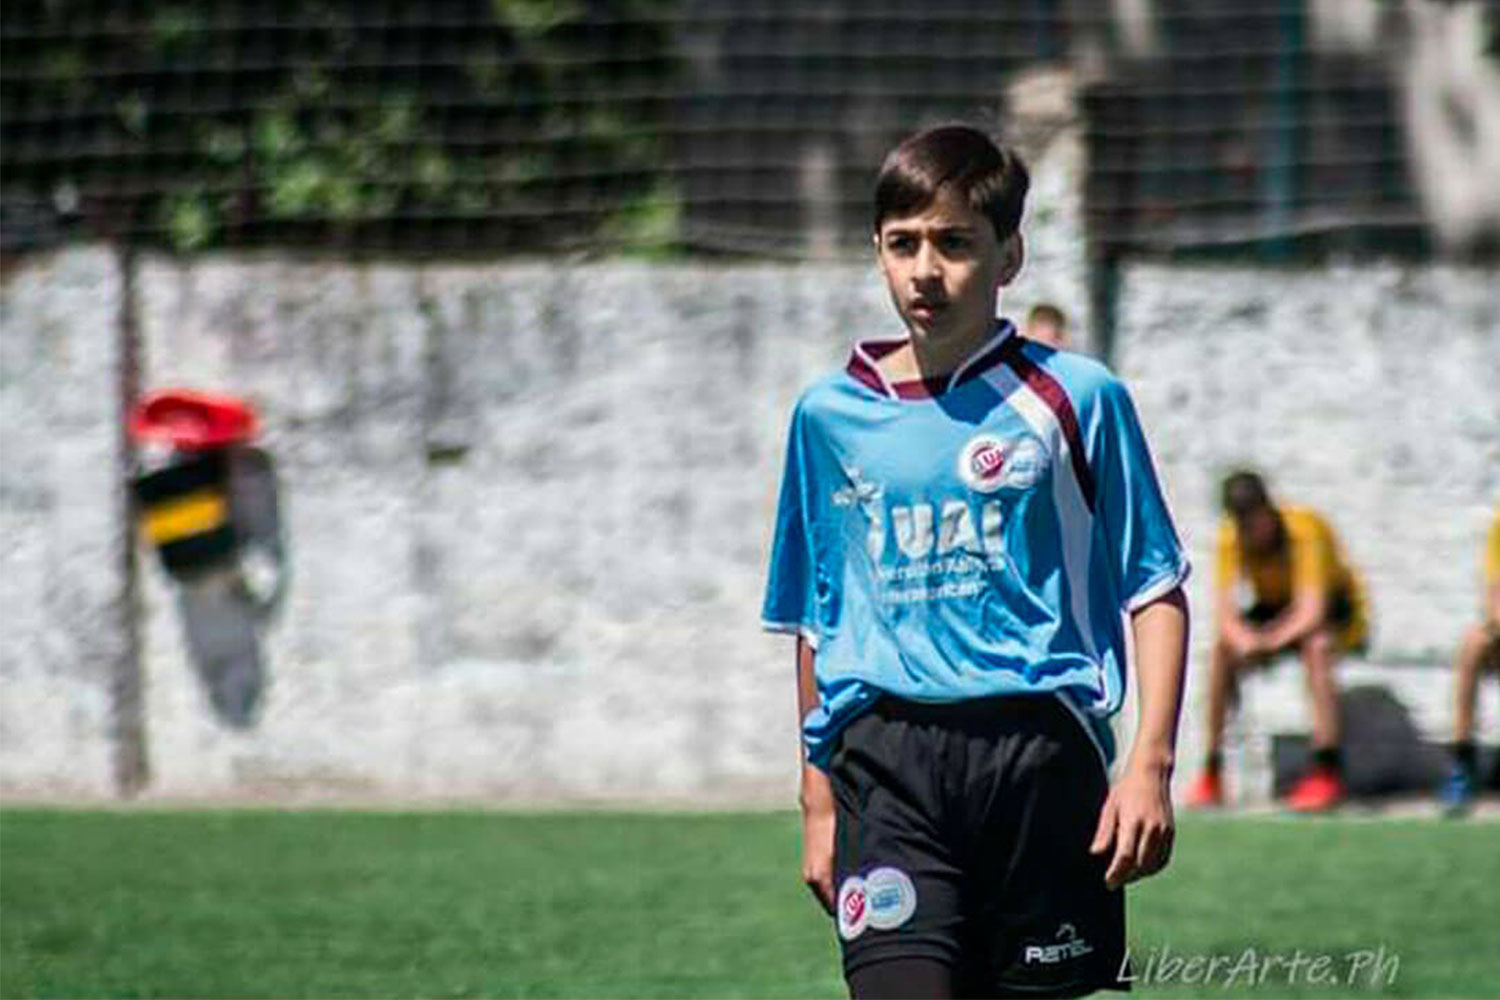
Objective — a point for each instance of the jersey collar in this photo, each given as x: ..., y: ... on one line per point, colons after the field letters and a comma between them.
x: 864, y: 365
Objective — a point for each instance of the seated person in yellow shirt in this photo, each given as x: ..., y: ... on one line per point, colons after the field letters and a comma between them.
x: 1305, y: 599
x: 1479, y: 651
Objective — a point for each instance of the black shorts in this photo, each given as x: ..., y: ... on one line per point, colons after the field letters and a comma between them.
x: 1340, y: 611
x: 1340, y: 619
x: 963, y: 835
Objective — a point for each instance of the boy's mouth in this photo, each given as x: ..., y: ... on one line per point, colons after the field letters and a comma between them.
x: 926, y: 309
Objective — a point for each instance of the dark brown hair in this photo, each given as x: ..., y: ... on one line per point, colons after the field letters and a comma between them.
x: 1244, y: 492
x: 991, y: 178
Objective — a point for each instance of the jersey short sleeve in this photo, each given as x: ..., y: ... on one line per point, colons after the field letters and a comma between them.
x: 791, y: 590
x: 1226, y: 555
x: 1142, y: 544
x: 1313, y: 559
x: 1492, y: 554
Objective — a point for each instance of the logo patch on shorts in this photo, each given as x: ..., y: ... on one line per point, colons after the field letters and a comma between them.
x: 890, y: 898
x: 988, y: 464
x: 853, y: 910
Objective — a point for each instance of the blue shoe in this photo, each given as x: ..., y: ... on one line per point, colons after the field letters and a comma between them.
x: 1458, y: 792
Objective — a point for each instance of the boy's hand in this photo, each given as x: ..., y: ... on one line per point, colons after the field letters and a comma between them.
x: 817, y: 835
x: 1136, y: 824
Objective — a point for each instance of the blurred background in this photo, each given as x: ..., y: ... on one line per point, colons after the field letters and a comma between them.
x: 522, y: 291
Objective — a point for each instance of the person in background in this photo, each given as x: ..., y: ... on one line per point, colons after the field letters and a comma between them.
x: 1306, y: 599
x: 1479, y: 651
x: 1047, y: 324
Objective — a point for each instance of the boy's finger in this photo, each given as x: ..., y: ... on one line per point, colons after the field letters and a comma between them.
x: 822, y: 890
x: 1147, y: 850
x: 1104, y: 833
x: 1122, y: 866
x: 1121, y: 870
x: 1164, y: 849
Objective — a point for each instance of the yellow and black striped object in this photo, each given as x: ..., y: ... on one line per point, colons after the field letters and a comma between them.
x: 185, y: 511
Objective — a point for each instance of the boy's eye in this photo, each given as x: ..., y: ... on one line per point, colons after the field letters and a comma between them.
x: 900, y: 244
x: 954, y: 242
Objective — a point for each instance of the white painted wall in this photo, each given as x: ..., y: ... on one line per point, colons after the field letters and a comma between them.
x: 1369, y: 392
x: 569, y: 610
x: 61, y: 579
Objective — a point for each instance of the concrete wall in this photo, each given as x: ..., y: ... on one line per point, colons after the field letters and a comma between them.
x: 62, y: 616
x: 1371, y: 393
x: 528, y: 504
x: 526, y: 508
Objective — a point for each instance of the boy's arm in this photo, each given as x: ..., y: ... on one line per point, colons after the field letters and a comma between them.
x: 1136, y: 821
x: 817, y: 793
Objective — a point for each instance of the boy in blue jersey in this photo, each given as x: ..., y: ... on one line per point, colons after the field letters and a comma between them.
x: 968, y: 524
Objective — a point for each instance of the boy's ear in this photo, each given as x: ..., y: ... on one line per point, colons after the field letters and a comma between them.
x: 1012, y: 256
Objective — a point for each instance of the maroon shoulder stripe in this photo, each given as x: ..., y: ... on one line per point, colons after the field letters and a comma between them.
x: 862, y: 361
x: 1055, y: 396
x: 865, y: 372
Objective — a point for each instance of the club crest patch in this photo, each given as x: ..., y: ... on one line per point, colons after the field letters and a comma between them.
x: 890, y: 898
x: 853, y: 908
x: 989, y: 463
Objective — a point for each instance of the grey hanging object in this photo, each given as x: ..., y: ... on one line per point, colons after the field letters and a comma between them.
x: 208, y: 501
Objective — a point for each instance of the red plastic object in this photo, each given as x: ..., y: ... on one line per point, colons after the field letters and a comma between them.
x: 192, y: 421
x: 1207, y: 792
x: 1319, y: 790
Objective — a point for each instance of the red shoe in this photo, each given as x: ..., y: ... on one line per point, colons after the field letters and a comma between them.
x: 1319, y: 790
x: 1207, y: 792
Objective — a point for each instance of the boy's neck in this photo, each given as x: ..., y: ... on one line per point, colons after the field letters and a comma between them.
x: 923, y: 358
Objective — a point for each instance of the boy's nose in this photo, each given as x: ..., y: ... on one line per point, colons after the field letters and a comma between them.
x: 928, y: 266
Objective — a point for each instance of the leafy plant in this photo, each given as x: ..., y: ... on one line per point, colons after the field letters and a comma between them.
x: 509, y: 122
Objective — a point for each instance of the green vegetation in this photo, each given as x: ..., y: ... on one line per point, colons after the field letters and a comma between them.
x: 515, y: 124
x: 332, y: 904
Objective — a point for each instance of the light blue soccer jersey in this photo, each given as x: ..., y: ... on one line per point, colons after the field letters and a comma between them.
x: 981, y: 536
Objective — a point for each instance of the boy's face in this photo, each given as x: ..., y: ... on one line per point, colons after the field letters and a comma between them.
x: 944, y: 267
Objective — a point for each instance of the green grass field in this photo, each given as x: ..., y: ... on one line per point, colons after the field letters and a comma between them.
x: 351, y: 904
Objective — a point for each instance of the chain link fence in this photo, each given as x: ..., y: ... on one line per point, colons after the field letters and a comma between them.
x: 705, y: 126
